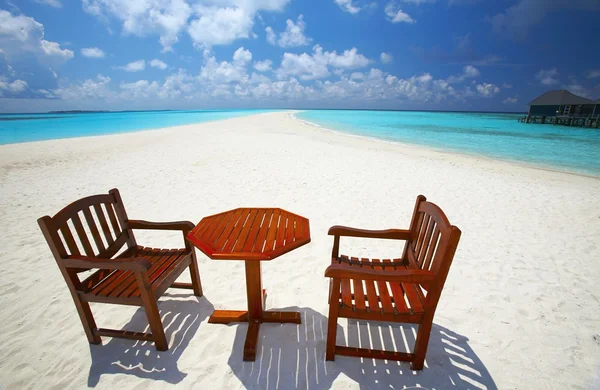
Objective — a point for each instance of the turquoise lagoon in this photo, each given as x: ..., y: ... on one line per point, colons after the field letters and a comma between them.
x: 493, y: 135
x: 15, y: 128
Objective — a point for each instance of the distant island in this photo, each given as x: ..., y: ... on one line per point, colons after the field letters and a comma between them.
x: 77, y: 112
x: 96, y: 111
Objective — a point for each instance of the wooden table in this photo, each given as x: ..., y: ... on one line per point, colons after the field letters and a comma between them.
x: 252, y: 235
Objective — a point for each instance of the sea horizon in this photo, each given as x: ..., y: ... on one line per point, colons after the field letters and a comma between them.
x: 250, y: 109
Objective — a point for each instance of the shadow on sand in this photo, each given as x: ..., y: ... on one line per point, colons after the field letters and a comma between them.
x: 293, y: 357
x: 181, y: 319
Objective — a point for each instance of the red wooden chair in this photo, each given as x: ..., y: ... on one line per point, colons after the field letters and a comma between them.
x: 399, y: 290
x: 137, y: 276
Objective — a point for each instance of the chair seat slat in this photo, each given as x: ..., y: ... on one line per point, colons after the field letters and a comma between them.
x: 359, y: 294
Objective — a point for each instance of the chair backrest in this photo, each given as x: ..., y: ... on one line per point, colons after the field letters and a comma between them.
x: 93, y: 226
x: 433, y: 241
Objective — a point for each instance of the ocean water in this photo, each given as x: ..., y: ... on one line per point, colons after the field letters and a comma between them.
x: 15, y: 128
x: 498, y: 136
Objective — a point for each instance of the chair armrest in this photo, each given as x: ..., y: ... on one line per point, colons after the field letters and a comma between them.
x: 184, y: 226
x: 129, y: 264
x: 394, y: 234
x: 406, y: 275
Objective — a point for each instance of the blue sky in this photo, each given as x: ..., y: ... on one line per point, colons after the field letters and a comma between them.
x: 193, y: 54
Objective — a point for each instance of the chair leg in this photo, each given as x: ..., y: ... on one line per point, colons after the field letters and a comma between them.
x: 195, y: 276
x: 151, y: 307
x: 421, y: 345
x: 332, y: 321
x: 87, y: 320
x: 156, y: 326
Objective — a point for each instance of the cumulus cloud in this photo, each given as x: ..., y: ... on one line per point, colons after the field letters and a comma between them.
x: 316, y: 65
x: 22, y: 35
x: 14, y: 87
x: 468, y: 72
x: 224, y: 71
x: 156, y: 63
x: 134, y: 66
x: 347, y: 6
x: 316, y: 76
x: 396, y: 15
x: 263, y: 66
x: 220, y: 26
x: 208, y: 23
x: 487, y: 90
x: 547, y: 76
x: 293, y: 35
x: 89, y: 89
x: 510, y: 100
x: 92, y: 52
x: 165, y: 18
x: 386, y: 58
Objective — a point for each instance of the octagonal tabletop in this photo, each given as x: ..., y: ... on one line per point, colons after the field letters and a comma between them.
x: 250, y: 234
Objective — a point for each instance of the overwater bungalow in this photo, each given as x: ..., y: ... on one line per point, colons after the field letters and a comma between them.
x: 561, y: 107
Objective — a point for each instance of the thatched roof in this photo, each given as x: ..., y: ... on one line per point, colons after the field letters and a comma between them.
x: 559, y: 98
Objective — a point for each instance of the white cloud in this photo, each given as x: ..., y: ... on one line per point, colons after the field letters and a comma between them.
x: 51, y: 3
x: 469, y: 72
x: 547, y: 76
x: 396, y: 15
x: 347, y: 6
x: 223, y: 21
x: 220, y: 26
x: 507, y: 86
x: 165, y: 18
x: 594, y: 74
x: 225, y: 72
x: 208, y: 22
x: 15, y: 87
x: 53, y: 49
x: 357, y: 76
x: 134, y: 66
x: 20, y: 34
x: 263, y: 66
x: 293, y: 35
x: 487, y: 90
x: 307, y: 66
x: 510, y: 100
x: 156, y: 63
x: 89, y: 89
x: 242, y: 57
x: 92, y: 52
x: 271, y: 36
x: 315, y: 66
x: 386, y: 58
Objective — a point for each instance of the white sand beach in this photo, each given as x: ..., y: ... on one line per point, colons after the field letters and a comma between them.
x: 520, y: 309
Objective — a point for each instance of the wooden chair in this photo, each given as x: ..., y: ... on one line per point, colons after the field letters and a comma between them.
x: 398, y: 290
x: 138, y: 276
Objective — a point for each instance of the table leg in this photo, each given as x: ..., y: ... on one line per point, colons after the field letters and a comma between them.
x: 255, y: 315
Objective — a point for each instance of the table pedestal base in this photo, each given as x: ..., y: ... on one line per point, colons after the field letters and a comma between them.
x: 229, y: 316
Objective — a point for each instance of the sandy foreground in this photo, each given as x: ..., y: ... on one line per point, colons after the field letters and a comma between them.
x: 521, y: 306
